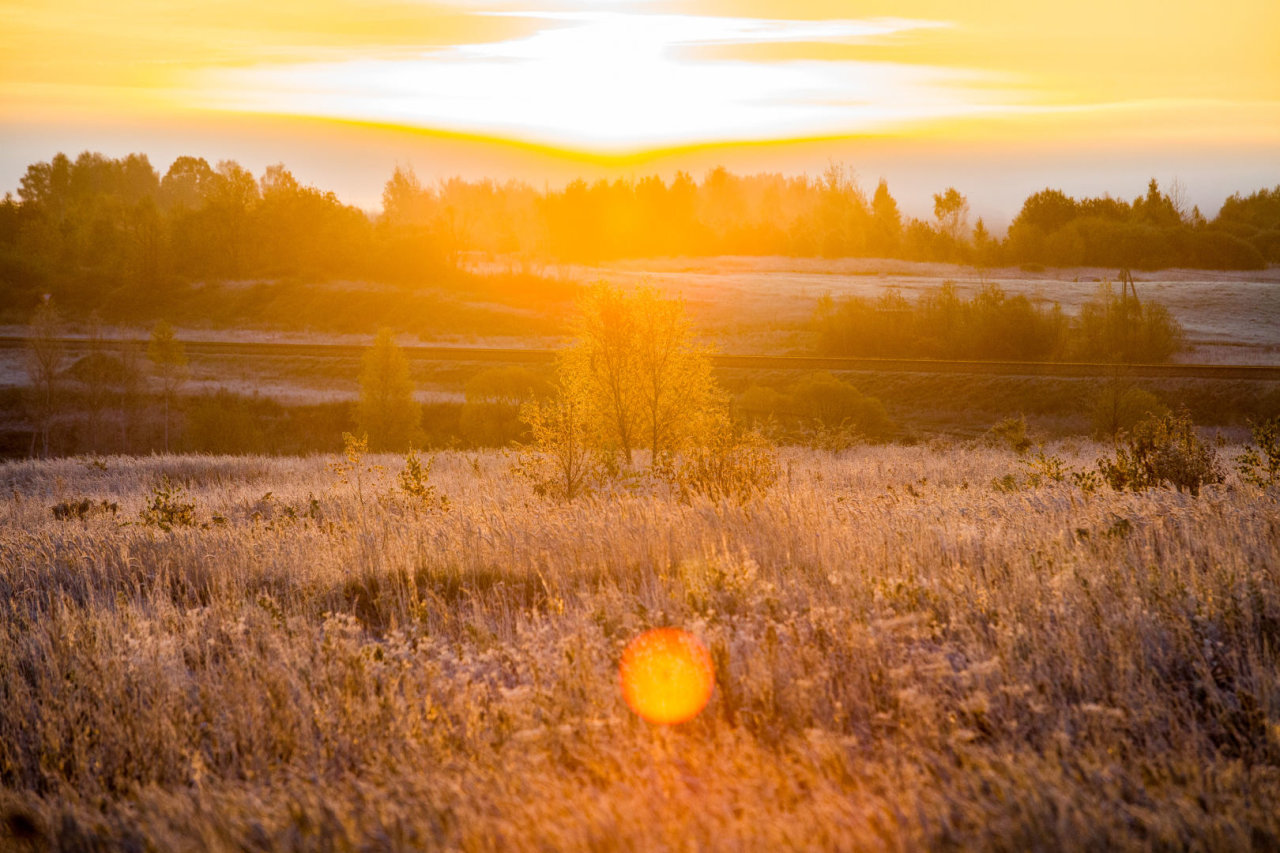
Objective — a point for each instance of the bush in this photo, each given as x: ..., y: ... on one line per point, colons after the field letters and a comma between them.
x: 1118, y: 409
x: 488, y: 424
x: 414, y: 485
x: 1010, y: 433
x: 819, y: 410
x: 730, y: 464
x: 824, y: 399
x: 227, y: 423
x: 1116, y: 327
x: 1162, y: 450
x: 167, y: 507
x: 491, y: 415
x: 1260, y: 464
x: 82, y: 509
x: 560, y: 462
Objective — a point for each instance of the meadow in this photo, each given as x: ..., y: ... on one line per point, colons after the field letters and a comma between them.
x: 915, y: 647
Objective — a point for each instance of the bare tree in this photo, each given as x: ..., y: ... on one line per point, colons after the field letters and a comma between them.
x: 45, y: 357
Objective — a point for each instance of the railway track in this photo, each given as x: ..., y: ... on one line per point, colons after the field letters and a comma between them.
x: 499, y: 355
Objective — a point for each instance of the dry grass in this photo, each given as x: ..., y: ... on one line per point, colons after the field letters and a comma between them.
x: 906, y: 658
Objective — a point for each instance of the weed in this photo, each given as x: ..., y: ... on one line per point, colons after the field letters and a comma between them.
x: 167, y: 507
x: 414, y: 485
x: 82, y: 509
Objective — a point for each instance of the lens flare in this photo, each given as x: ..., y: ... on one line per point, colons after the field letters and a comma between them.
x: 667, y: 676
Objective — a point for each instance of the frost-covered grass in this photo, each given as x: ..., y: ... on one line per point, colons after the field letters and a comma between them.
x: 906, y: 657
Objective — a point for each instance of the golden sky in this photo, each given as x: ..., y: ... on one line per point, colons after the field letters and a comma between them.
x: 618, y: 81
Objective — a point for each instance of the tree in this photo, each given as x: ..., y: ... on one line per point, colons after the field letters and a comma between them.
x: 951, y: 209
x: 673, y: 374
x: 45, y: 356
x: 637, y: 366
x: 563, y: 460
x: 387, y: 413
x: 602, y: 366
x: 886, y: 231
x: 168, y: 359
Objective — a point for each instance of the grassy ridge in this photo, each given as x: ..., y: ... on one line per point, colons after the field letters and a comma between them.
x: 906, y: 657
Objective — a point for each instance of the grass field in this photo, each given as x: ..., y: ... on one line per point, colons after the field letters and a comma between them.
x: 907, y: 657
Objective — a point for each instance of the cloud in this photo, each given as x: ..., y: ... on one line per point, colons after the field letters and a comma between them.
x: 620, y: 80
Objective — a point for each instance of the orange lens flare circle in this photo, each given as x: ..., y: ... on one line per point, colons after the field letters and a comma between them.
x: 667, y: 675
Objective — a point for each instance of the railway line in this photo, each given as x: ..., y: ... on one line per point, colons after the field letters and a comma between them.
x: 514, y: 355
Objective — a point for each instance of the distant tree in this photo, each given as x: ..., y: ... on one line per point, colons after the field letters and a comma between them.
x: 387, y: 413
x: 1157, y: 208
x: 886, y: 233
x: 1047, y: 210
x: 187, y: 183
x: 168, y: 359
x: 45, y: 357
x: 951, y: 209
x: 983, y: 245
x: 404, y: 200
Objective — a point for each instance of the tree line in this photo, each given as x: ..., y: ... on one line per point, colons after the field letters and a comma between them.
x: 117, y: 235
x: 1114, y: 326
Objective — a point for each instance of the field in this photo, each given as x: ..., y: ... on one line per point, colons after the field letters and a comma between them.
x: 754, y: 306
x: 907, y: 657
x: 1230, y: 317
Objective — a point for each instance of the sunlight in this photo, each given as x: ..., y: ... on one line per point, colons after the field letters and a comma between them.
x: 620, y: 81
x: 667, y: 676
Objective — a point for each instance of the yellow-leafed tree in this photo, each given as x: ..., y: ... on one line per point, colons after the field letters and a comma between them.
x: 387, y: 413
x: 643, y: 377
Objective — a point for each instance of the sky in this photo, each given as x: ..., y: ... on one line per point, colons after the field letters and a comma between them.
x: 998, y: 98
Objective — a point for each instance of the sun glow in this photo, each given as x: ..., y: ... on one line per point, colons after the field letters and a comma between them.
x: 667, y: 676
x: 621, y: 81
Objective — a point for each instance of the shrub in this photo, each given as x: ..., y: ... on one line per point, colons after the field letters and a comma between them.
x: 1043, y: 468
x: 82, y: 509
x: 167, y: 507
x: 414, y: 485
x: 823, y: 399
x: 1162, y: 450
x: 1010, y: 433
x: 1260, y: 463
x: 1118, y: 409
x: 351, y: 468
x: 1117, y: 327
x: 731, y: 463
x: 560, y: 462
x: 226, y: 423
x: 491, y: 415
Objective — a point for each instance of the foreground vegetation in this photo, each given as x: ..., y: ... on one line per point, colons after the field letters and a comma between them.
x: 914, y: 647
